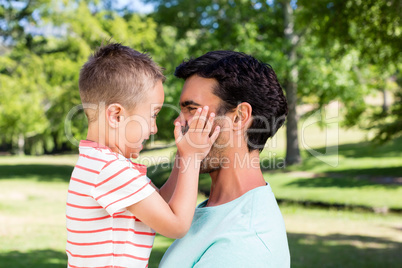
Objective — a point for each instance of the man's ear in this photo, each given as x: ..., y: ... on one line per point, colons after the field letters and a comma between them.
x: 242, y: 116
x: 114, y: 114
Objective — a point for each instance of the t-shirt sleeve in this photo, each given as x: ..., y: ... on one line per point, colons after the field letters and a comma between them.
x: 120, y: 185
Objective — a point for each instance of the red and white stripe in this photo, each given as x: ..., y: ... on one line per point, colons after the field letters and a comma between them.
x: 101, y: 232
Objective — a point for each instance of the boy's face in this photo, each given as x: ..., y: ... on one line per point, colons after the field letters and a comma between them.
x: 140, y: 122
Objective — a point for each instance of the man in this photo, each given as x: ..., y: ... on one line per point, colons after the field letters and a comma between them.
x: 240, y: 225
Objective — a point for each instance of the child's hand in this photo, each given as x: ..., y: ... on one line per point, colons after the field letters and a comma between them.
x: 196, y: 141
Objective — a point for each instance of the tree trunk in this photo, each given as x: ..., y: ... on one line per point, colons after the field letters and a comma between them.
x: 385, y: 101
x: 292, y: 141
x: 21, y: 144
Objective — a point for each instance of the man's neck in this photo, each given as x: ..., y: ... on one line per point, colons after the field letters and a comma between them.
x: 240, y: 176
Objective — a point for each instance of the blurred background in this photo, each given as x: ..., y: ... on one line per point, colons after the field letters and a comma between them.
x: 335, y: 168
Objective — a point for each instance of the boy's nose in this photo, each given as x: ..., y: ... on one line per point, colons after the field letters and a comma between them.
x: 154, y: 129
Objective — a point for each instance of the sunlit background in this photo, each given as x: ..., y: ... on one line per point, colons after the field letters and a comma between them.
x: 335, y: 168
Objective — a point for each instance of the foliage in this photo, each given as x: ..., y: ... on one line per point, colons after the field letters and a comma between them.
x: 39, y: 78
x: 284, y: 34
x: 372, y: 30
x: 388, y: 126
x: 321, y: 51
x: 373, y: 27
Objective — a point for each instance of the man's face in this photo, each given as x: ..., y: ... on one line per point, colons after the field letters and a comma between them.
x: 197, y: 92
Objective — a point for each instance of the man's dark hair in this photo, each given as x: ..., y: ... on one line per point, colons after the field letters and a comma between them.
x: 242, y: 78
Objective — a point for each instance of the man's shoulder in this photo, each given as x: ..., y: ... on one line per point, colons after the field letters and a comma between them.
x: 266, y: 213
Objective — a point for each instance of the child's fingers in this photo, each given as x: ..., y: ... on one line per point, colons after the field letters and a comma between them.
x: 215, y: 135
x: 194, y: 120
x: 210, y: 122
x: 203, y: 118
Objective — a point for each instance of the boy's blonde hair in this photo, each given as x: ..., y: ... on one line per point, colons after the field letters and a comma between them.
x: 116, y: 74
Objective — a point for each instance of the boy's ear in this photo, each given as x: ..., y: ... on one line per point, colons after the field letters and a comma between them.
x: 242, y: 116
x: 114, y: 114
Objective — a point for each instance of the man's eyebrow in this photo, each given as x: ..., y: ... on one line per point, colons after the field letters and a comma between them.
x: 188, y: 103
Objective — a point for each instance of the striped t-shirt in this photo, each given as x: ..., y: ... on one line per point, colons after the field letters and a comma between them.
x: 101, y: 232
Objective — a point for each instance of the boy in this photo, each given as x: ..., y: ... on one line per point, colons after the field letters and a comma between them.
x: 113, y: 209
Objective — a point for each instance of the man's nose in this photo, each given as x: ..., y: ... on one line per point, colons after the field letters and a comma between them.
x: 181, y: 120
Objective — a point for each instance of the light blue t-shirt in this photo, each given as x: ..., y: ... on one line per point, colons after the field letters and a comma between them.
x: 246, y: 232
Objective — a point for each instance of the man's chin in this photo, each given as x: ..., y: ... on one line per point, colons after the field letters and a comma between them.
x: 211, y: 163
x: 208, y: 169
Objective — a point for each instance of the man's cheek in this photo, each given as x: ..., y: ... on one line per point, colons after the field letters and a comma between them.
x: 213, y: 129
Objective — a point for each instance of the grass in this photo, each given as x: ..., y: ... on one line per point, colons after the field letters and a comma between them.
x: 356, y: 174
x: 33, y: 224
x: 33, y: 193
x: 333, y: 238
x: 347, y: 191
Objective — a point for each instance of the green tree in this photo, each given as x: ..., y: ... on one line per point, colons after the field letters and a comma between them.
x: 41, y: 60
x: 23, y: 87
x: 279, y: 33
x: 373, y: 28
x: 387, y: 123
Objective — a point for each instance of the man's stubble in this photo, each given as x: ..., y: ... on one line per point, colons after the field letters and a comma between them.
x: 213, y: 161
